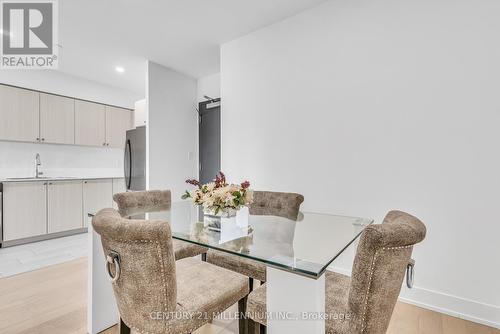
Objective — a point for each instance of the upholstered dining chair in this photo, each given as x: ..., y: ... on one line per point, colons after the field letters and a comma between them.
x: 154, y: 292
x: 139, y: 202
x: 364, y: 302
x: 286, y: 205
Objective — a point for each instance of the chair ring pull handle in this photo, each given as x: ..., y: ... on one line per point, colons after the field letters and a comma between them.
x: 410, y: 273
x: 113, y: 258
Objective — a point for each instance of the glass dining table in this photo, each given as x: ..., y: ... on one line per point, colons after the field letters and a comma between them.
x: 296, y: 251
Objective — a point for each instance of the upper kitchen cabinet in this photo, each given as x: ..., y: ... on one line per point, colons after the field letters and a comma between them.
x: 57, y: 119
x: 90, y: 123
x: 19, y: 114
x: 32, y: 116
x: 118, y: 121
x: 140, y: 113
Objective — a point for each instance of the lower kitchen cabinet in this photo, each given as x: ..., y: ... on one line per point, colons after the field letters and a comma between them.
x: 97, y: 195
x: 64, y: 205
x: 24, y: 210
x: 118, y: 187
x: 41, y: 208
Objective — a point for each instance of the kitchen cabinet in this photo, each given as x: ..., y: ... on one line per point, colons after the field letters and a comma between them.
x: 41, y: 208
x: 57, y: 119
x: 19, y: 114
x: 140, y: 114
x: 24, y: 210
x: 32, y: 116
x: 118, y: 187
x: 90, y: 123
x: 64, y: 205
x: 118, y: 121
x: 97, y: 195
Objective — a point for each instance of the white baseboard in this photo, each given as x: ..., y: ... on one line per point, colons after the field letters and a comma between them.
x: 462, y: 308
x: 467, y: 309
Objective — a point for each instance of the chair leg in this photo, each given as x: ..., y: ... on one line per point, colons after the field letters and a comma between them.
x: 252, y: 328
x: 242, y: 319
x: 204, y: 257
x: 263, y: 329
x: 124, y: 329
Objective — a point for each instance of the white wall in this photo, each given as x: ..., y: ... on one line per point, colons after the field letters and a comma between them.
x: 16, y: 159
x: 209, y: 86
x: 172, y: 129
x: 366, y: 106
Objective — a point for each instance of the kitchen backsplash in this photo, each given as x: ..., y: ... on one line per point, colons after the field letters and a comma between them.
x: 17, y: 160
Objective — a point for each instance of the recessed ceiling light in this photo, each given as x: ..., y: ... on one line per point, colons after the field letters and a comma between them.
x: 119, y: 69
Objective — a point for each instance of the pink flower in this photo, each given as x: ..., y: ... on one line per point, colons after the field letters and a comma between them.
x: 220, y: 180
x: 194, y: 182
x: 245, y: 185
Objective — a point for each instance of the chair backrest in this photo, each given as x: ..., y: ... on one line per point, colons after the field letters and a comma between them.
x: 379, y: 268
x: 147, y: 278
x: 137, y: 202
x: 280, y: 204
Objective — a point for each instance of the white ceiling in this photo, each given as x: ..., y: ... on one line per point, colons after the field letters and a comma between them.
x: 98, y: 35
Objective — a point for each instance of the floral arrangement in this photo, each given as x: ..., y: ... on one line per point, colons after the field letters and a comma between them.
x: 219, y: 197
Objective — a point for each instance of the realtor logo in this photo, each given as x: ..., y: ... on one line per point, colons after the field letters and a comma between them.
x: 29, y: 34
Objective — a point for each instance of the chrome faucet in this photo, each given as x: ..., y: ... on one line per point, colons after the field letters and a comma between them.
x: 38, y: 164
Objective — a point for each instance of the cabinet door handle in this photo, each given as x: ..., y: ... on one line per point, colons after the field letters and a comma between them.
x: 43, y: 139
x: 38, y: 139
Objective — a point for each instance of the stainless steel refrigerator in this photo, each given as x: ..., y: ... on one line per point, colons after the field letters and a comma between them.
x: 135, y: 159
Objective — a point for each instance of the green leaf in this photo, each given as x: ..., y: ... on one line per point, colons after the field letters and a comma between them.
x: 186, y: 195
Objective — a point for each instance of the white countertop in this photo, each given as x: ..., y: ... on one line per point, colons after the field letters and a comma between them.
x: 56, y: 178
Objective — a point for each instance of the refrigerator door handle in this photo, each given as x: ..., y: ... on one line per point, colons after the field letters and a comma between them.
x: 128, y: 164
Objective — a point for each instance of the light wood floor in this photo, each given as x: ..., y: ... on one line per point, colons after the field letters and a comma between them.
x: 53, y: 300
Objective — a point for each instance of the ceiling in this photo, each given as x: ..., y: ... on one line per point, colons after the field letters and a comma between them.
x: 98, y: 35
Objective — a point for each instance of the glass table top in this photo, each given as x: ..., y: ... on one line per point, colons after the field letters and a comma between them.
x: 306, y: 245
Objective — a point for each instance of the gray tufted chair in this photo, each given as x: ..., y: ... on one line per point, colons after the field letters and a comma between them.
x: 270, y: 203
x: 140, y: 202
x: 368, y: 297
x: 279, y: 204
x: 155, y: 293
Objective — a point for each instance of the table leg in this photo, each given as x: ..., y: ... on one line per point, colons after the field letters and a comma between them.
x: 102, y: 311
x: 295, y: 303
